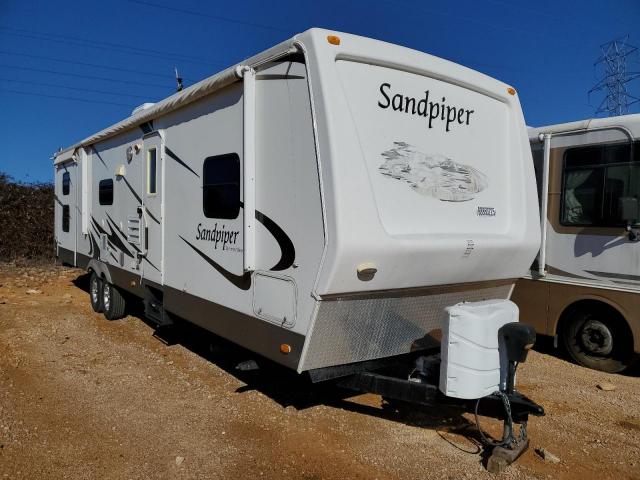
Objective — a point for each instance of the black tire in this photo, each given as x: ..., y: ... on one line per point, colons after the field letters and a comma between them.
x: 599, y: 338
x: 95, y: 292
x: 113, y: 303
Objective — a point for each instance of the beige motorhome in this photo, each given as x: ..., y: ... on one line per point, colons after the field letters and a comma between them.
x: 584, y: 288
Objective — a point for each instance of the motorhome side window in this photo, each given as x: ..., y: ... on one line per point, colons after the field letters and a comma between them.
x: 221, y: 186
x: 105, y: 192
x: 66, y: 182
x: 65, y: 218
x: 594, y: 179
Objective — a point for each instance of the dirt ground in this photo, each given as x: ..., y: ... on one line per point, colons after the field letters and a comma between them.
x: 85, y: 398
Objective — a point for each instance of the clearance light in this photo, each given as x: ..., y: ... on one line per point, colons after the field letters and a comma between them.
x: 511, y: 90
x: 333, y: 40
x: 285, y: 348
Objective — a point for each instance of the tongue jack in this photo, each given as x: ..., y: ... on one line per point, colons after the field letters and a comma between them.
x: 514, y: 340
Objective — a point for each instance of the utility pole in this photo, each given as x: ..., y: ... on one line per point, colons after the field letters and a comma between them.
x: 615, y: 76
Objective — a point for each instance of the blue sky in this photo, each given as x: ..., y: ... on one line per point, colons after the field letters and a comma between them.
x: 116, y: 55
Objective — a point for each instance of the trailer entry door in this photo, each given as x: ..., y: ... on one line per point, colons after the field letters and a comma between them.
x: 152, y: 208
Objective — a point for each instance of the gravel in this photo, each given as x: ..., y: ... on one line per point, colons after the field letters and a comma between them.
x: 82, y: 397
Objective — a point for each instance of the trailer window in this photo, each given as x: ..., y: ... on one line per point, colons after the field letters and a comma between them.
x: 66, y: 182
x: 105, y: 192
x: 151, y: 171
x: 594, y: 179
x: 221, y: 186
x: 66, y: 215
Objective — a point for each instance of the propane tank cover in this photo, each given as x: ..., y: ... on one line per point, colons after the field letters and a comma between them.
x: 470, y: 366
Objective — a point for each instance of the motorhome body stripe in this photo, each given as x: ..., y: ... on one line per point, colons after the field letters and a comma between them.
x: 287, y: 252
x: 115, y: 226
x: 241, y: 281
x: 95, y: 251
x: 287, y: 249
x: 132, y: 190
x: 151, y: 215
x: 99, y: 156
x: 149, y: 262
x: 169, y: 152
x: 556, y: 271
x: 113, y: 238
x: 621, y: 276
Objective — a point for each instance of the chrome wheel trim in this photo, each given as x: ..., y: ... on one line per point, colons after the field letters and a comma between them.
x: 95, y: 294
x: 106, y: 297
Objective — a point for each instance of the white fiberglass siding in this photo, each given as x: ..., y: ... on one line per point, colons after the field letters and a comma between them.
x: 436, y: 153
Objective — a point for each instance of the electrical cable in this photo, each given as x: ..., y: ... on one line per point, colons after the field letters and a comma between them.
x: 215, y: 17
x: 80, y: 89
x: 120, y: 48
x: 63, y: 97
x: 85, y: 64
x: 91, y: 77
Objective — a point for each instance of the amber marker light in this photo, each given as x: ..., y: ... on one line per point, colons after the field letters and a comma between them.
x: 285, y: 348
x: 333, y: 40
x: 511, y: 90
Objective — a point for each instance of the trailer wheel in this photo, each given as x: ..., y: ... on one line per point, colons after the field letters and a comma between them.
x: 113, y: 303
x: 95, y: 292
x: 599, y: 338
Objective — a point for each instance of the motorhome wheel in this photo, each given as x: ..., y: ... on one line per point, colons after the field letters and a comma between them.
x: 598, y: 339
x: 113, y: 302
x: 95, y: 292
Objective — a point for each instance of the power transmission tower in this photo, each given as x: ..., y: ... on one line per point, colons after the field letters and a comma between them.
x: 615, y: 77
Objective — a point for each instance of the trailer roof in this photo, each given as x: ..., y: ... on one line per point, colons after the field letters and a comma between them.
x: 379, y: 52
x: 630, y: 122
x: 179, y: 99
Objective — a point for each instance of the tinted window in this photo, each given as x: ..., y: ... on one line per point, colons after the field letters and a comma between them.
x: 221, y: 186
x: 594, y: 180
x: 105, y: 189
x: 65, y: 218
x: 151, y: 171
x: 66, y: 181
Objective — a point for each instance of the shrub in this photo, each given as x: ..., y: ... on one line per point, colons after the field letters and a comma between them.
x: 26, y: 220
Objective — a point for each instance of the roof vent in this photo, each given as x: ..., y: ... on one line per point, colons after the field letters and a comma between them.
x: 141, y: 108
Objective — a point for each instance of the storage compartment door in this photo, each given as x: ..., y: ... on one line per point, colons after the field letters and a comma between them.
x: 274, y: 299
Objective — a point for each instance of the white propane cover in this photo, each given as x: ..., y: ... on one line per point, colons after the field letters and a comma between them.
x: 470, y: 366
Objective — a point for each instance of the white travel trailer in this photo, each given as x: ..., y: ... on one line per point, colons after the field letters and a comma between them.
x: 320, y: 204
x: 584, y: 288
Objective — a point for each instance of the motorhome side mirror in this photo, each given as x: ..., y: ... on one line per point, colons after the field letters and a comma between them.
x: 628, y: 210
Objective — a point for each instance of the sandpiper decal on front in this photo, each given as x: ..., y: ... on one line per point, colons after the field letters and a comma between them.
x: 433, y: 174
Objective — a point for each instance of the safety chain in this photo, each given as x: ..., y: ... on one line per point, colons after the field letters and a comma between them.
x: 508, y: 439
